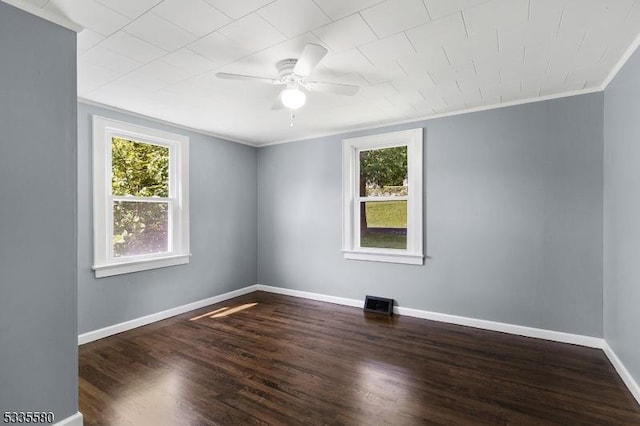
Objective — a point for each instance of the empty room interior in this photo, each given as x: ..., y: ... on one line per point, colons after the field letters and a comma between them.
x: 357, y: 212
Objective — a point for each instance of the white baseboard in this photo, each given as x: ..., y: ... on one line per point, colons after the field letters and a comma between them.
x: 538, y: 333
x: 624, y: 374
x: 75, y: 420
x: 520, y: 330
x: 139, y: 322
x: 313, y: 296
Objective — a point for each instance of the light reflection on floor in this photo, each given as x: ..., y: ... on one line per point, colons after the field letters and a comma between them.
x: 380, y: 387
x: 154, y: 403
x: 224, y: 311
x: 157, y: 399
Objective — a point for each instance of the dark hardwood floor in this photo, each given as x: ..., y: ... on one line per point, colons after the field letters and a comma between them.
x: 290, y: 361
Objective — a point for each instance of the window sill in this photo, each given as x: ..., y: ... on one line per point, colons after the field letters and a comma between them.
x: 139, y: 265
x: 384, y: 256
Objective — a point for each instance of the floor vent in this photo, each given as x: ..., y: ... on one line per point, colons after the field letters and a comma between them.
x: 379, y: 305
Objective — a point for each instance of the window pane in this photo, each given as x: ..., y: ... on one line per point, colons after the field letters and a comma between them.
x: 140, y: 228
x: 383, y: 224
x: 383, y: 172
x: 139, y: 169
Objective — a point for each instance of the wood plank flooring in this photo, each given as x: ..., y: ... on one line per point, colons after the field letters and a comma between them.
x: 290, y: 361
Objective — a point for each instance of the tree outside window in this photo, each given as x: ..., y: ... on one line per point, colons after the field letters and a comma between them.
x: 382, y: 197
x: 140, y: 172
x: 384, y: 188
x: 141, y: 198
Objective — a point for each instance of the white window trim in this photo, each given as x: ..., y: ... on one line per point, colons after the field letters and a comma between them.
x: 104, y: 264
x: 350, y: 190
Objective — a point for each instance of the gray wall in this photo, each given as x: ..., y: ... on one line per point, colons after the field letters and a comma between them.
x: 622, y: 215
x: 513, y: 218
x: 223, y: 232
x: 38, y: 308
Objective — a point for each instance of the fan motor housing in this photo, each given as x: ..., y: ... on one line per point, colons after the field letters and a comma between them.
x: 285, y: 68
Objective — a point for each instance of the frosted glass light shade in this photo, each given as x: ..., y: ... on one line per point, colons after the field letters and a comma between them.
x: 293, y: 98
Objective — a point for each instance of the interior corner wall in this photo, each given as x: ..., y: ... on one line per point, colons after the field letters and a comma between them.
x: 38, y: 304
x: 513, y: 222
x: 222, y: 187
x: 622, y: 215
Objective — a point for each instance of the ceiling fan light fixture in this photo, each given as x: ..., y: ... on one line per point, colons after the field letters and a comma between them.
x: 293, y: 98
x: 293, y: 74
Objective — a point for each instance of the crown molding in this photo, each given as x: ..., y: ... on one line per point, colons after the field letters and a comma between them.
x: 46, y: 15
x: 443, y: 115
x: 161, y: 121
x: 623, y: 60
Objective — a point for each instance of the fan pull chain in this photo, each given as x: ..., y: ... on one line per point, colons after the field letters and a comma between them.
x: 292, y: 117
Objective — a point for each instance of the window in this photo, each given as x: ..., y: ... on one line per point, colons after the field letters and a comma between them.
x: 382, y: 190
x: 140, y: 198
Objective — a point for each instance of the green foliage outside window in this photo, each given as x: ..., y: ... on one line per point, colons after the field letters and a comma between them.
x: 383, y: 172
x: 140, y: 170
x: 383, y: 167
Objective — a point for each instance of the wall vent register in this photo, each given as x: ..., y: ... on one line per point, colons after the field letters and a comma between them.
x: 379, y: 305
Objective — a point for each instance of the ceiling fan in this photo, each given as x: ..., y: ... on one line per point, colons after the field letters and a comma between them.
x: 293, y: 74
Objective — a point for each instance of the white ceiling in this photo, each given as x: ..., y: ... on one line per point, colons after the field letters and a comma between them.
x: 412, y: 58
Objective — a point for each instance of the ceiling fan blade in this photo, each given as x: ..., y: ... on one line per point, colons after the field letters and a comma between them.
x: 229, y: 76
x: 339, y: 89
x: 311, y: 56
